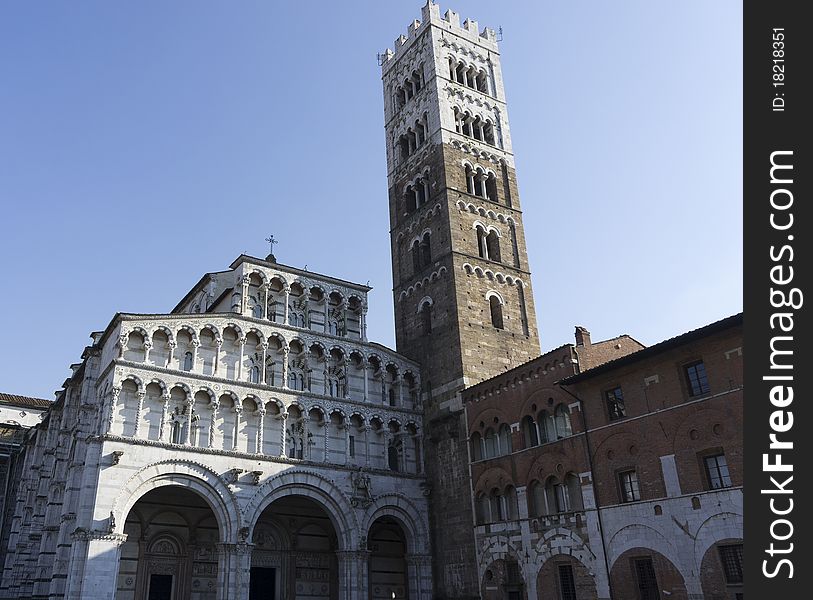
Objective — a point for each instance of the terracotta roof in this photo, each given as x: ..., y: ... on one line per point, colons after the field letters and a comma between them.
x: 16, y: 400
x: 685, y: 338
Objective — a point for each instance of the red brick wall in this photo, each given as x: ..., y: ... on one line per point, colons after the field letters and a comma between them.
x: 625, y: 582
x: 547, y: 587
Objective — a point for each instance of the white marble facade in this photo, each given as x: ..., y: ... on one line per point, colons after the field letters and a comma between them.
x: 252, y: 432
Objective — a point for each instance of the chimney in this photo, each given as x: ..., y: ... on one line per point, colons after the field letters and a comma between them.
x: 582, y: 336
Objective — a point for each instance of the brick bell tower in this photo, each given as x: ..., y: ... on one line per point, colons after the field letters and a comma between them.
x: 461, y: 280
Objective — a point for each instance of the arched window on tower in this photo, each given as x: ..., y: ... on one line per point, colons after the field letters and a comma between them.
x: 254, y: 374
x: 410, y: 199
x: 416, y: 194
x: 425, y: 312
x: 482, y: 248
x: 403, y: 147
x: 421, y: 253
x: 417, y: 81
x: 488, y: 133
x: 490, y: 183
x: 469, y: 180
x: 460, y: 73
x: 415, y: 249
x: 492, y: 244
x: 495, y: 305
x: 481, y: 82
x: 426, y: 250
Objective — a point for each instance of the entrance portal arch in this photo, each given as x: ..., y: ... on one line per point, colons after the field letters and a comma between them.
x: 171, y: 549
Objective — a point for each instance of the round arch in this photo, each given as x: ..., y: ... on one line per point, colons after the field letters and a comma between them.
x: 186, y: 474
x: 398, y: 507
x: 310, y: 485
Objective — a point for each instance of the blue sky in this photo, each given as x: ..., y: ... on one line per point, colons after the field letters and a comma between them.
x: 143, y: 144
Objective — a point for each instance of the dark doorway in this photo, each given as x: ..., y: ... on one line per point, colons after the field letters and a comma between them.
x: 262, y: 584
x: 160, y: 587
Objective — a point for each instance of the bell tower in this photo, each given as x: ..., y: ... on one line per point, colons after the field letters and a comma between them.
x: 461, y: 280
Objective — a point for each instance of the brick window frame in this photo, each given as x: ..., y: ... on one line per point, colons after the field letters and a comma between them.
x: 695, y: 378
x: 621, y: 484
x: 708, y: 480
x: 613, y: 396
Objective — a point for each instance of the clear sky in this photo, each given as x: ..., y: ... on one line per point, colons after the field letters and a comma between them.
x: 144, y: 144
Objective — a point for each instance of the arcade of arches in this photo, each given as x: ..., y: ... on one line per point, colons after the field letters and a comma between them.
x: 173, y: 551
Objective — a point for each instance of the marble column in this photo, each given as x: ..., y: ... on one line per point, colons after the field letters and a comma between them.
x: 260, y: 426
x: 419, y: 576
x: 242, y: 343
x: 164, y: 415
x: 353, y: 574
x: 283, y: 434
x: 234, y: 571
x: 114, y: 400
x: 190, y: 402
x: 171, y: 355
x: 139, y: 409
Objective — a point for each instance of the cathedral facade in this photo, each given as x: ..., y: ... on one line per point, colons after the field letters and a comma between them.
x: 252, y: 443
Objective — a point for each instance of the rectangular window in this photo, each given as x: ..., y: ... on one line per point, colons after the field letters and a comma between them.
x: 567, y: 585
x: 629, y: 486
x: 647, y: 582
x: 717, y: 471
x: 352, y: 446
x: 731, y: 558
x: 696, y: 378
x: 615, y: 404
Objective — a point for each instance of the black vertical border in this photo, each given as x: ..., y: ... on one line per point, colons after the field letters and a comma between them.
x: 767, y: 130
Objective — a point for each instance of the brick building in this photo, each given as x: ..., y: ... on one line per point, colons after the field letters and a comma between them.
x: 610, y: 470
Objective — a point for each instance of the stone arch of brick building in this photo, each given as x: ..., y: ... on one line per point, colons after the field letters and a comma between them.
x: 547, y: 580
x: 563, y: 541
x: 325, y: 493
x: 188, y: 475
x: 712, y: 577
x: 669, y: 577
x: 632, y: 536
x: 718, y: 527
x: 493, y: 557
x: 493, y: 477
x: 496, y: 548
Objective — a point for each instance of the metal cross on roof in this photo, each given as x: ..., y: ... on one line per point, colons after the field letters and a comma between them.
x: 271, y: 241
